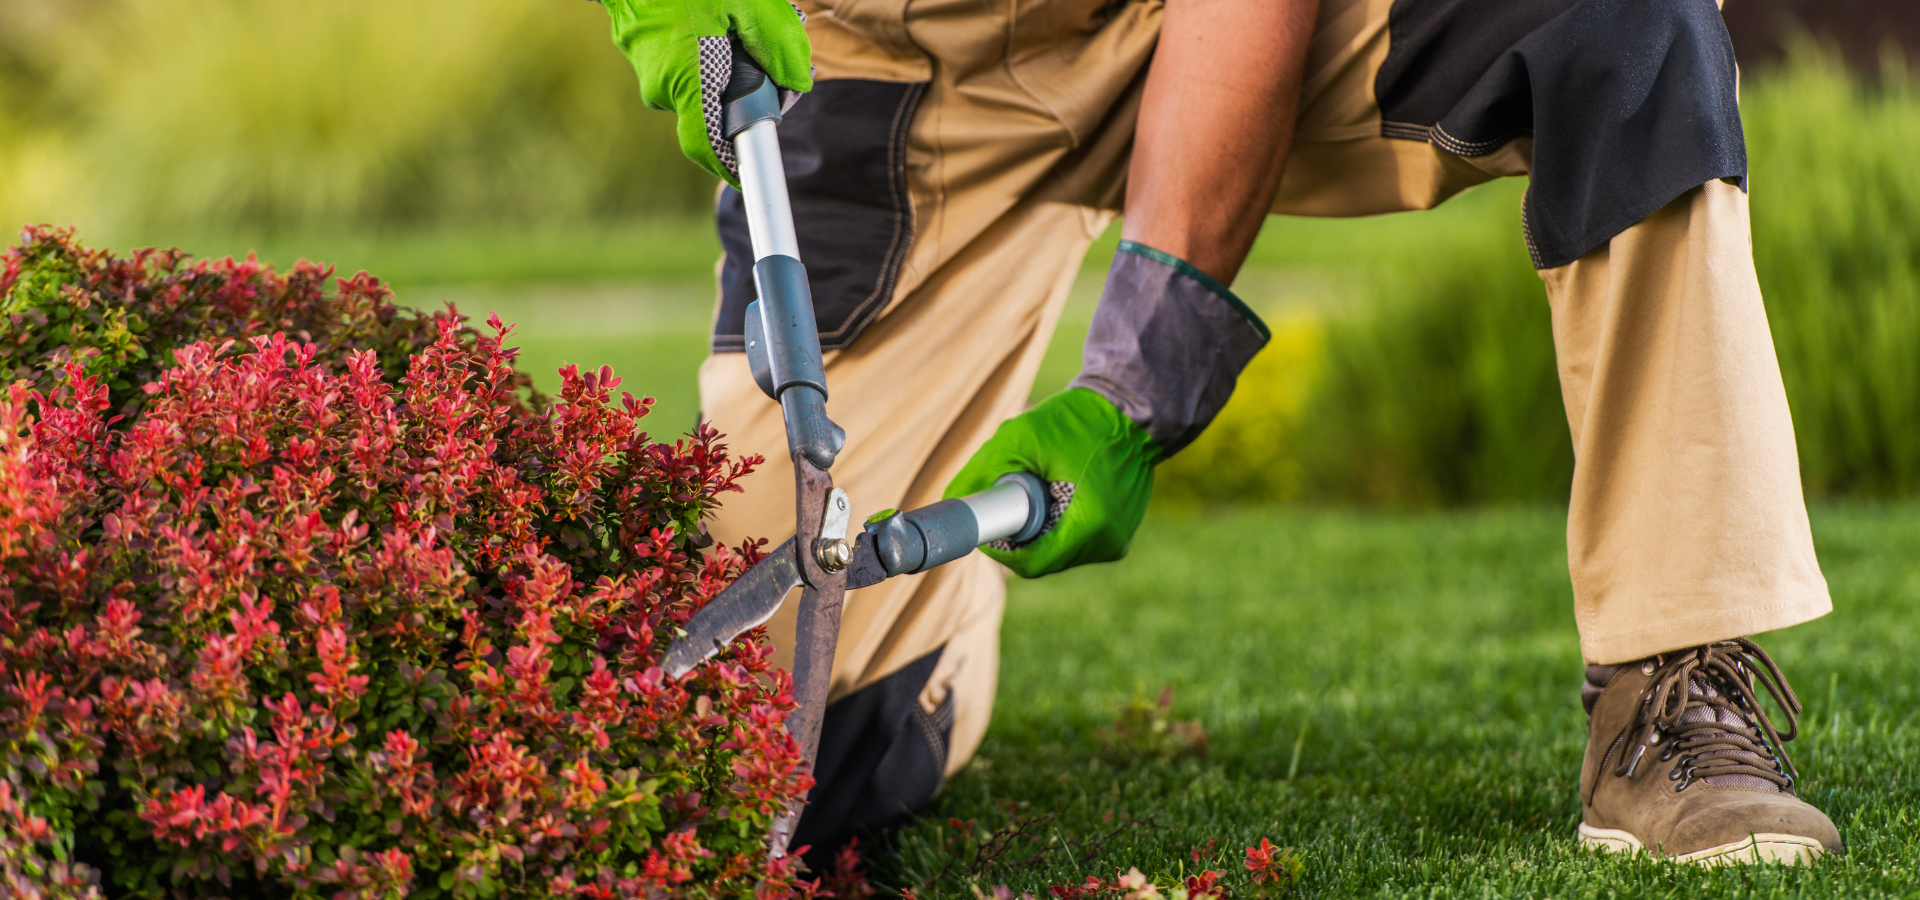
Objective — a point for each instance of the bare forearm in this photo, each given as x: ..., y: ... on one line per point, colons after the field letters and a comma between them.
x: 1214, y: 127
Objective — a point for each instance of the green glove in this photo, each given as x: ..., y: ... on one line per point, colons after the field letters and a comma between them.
x: 680, y: 51
x: 1098, y: 464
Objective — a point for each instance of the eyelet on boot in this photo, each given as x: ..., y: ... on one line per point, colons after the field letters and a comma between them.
x: 1686, y: 779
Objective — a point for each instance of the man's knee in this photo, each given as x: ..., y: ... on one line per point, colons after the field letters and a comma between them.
x: 1629, y: 103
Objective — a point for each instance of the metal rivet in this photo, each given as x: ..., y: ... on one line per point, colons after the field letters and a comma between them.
x: 1646, y: 668
x: 832, y: 554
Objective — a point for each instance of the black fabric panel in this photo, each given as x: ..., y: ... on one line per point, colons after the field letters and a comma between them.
x: 1630, y: 103
x: 1437, y: 49
x: 844, y: 145
x: 882, y: 758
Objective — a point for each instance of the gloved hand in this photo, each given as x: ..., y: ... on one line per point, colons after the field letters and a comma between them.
x: 1166, y: 346
x: 1097, y: 463
x: 680, y: 51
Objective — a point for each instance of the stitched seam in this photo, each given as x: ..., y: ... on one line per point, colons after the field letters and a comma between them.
x: 1206, y: 281
x: 1438, y: 136
x: 1606, y: 768
x: 1458, y: 147
x: 1405, y: 131
x: 902, y: 239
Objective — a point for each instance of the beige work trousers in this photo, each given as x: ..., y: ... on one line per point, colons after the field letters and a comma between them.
x: 1686, y: 523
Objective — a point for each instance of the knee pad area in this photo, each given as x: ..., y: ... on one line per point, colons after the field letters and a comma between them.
x: 1629, y: 103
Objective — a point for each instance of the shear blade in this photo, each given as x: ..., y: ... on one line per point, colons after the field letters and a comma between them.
x: 749, y: 601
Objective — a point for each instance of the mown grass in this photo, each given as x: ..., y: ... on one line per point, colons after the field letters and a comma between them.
x: 1396, y: 698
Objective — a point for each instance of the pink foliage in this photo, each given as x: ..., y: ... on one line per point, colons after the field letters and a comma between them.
x: 291, y: 624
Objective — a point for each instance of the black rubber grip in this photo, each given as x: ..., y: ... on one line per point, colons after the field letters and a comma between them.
x: 791, y: 332
x: 747, y: 76
x: 750, y: 96
x: 899, y: 545
x: 921, y: 539
x: 949, y: 529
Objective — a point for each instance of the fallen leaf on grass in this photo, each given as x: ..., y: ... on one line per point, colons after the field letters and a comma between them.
x: 1146, y: 730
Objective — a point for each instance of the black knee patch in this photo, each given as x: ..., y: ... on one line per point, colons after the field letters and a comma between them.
x: 844, y: 146
x: 882, y: 758
x: 1630, y: 103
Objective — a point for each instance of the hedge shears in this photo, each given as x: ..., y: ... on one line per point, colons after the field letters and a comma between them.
x: 783, y: 349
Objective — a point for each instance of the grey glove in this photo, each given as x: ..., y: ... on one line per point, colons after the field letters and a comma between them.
x: 1167, y: 344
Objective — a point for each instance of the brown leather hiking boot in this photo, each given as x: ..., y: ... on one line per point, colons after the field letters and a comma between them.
x: 1683, y: 762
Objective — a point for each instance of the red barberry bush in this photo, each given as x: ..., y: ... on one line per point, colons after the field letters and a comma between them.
x: 305, y: 595
x: 122, y: 318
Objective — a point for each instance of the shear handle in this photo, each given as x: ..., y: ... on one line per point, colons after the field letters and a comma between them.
x: 1014, y: 509
x: 796, y: 374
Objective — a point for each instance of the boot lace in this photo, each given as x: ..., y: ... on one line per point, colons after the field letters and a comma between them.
x: 1702, y: 707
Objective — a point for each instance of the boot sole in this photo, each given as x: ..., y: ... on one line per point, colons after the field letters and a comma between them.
x: 1791, y: 849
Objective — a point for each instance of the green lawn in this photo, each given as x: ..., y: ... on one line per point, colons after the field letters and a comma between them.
x: 1395, y: 697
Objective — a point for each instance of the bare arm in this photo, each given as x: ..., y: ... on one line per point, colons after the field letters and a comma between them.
x: 1214, y: 127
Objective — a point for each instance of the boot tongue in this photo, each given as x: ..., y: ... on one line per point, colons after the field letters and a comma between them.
x: 1596, y: 681
x: 1699, y: 687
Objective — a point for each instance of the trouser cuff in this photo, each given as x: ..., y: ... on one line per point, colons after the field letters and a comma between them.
x: 1721, y: 626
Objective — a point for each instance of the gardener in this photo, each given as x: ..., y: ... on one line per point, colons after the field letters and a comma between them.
x: 951, y: 162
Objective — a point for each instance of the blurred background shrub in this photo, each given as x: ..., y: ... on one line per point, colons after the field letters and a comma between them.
x: 1440, y: 385
x: 276, y: 115
x: 1836, y: 233
x: 495, y: 153
x: 1253, y: 449
x: 1436, y: 384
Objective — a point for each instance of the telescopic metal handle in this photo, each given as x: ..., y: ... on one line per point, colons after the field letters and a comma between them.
x: 750, y: 114
x: 1014, y: 509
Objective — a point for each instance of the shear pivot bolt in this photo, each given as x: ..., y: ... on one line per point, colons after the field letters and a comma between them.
x: 832, y: 554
